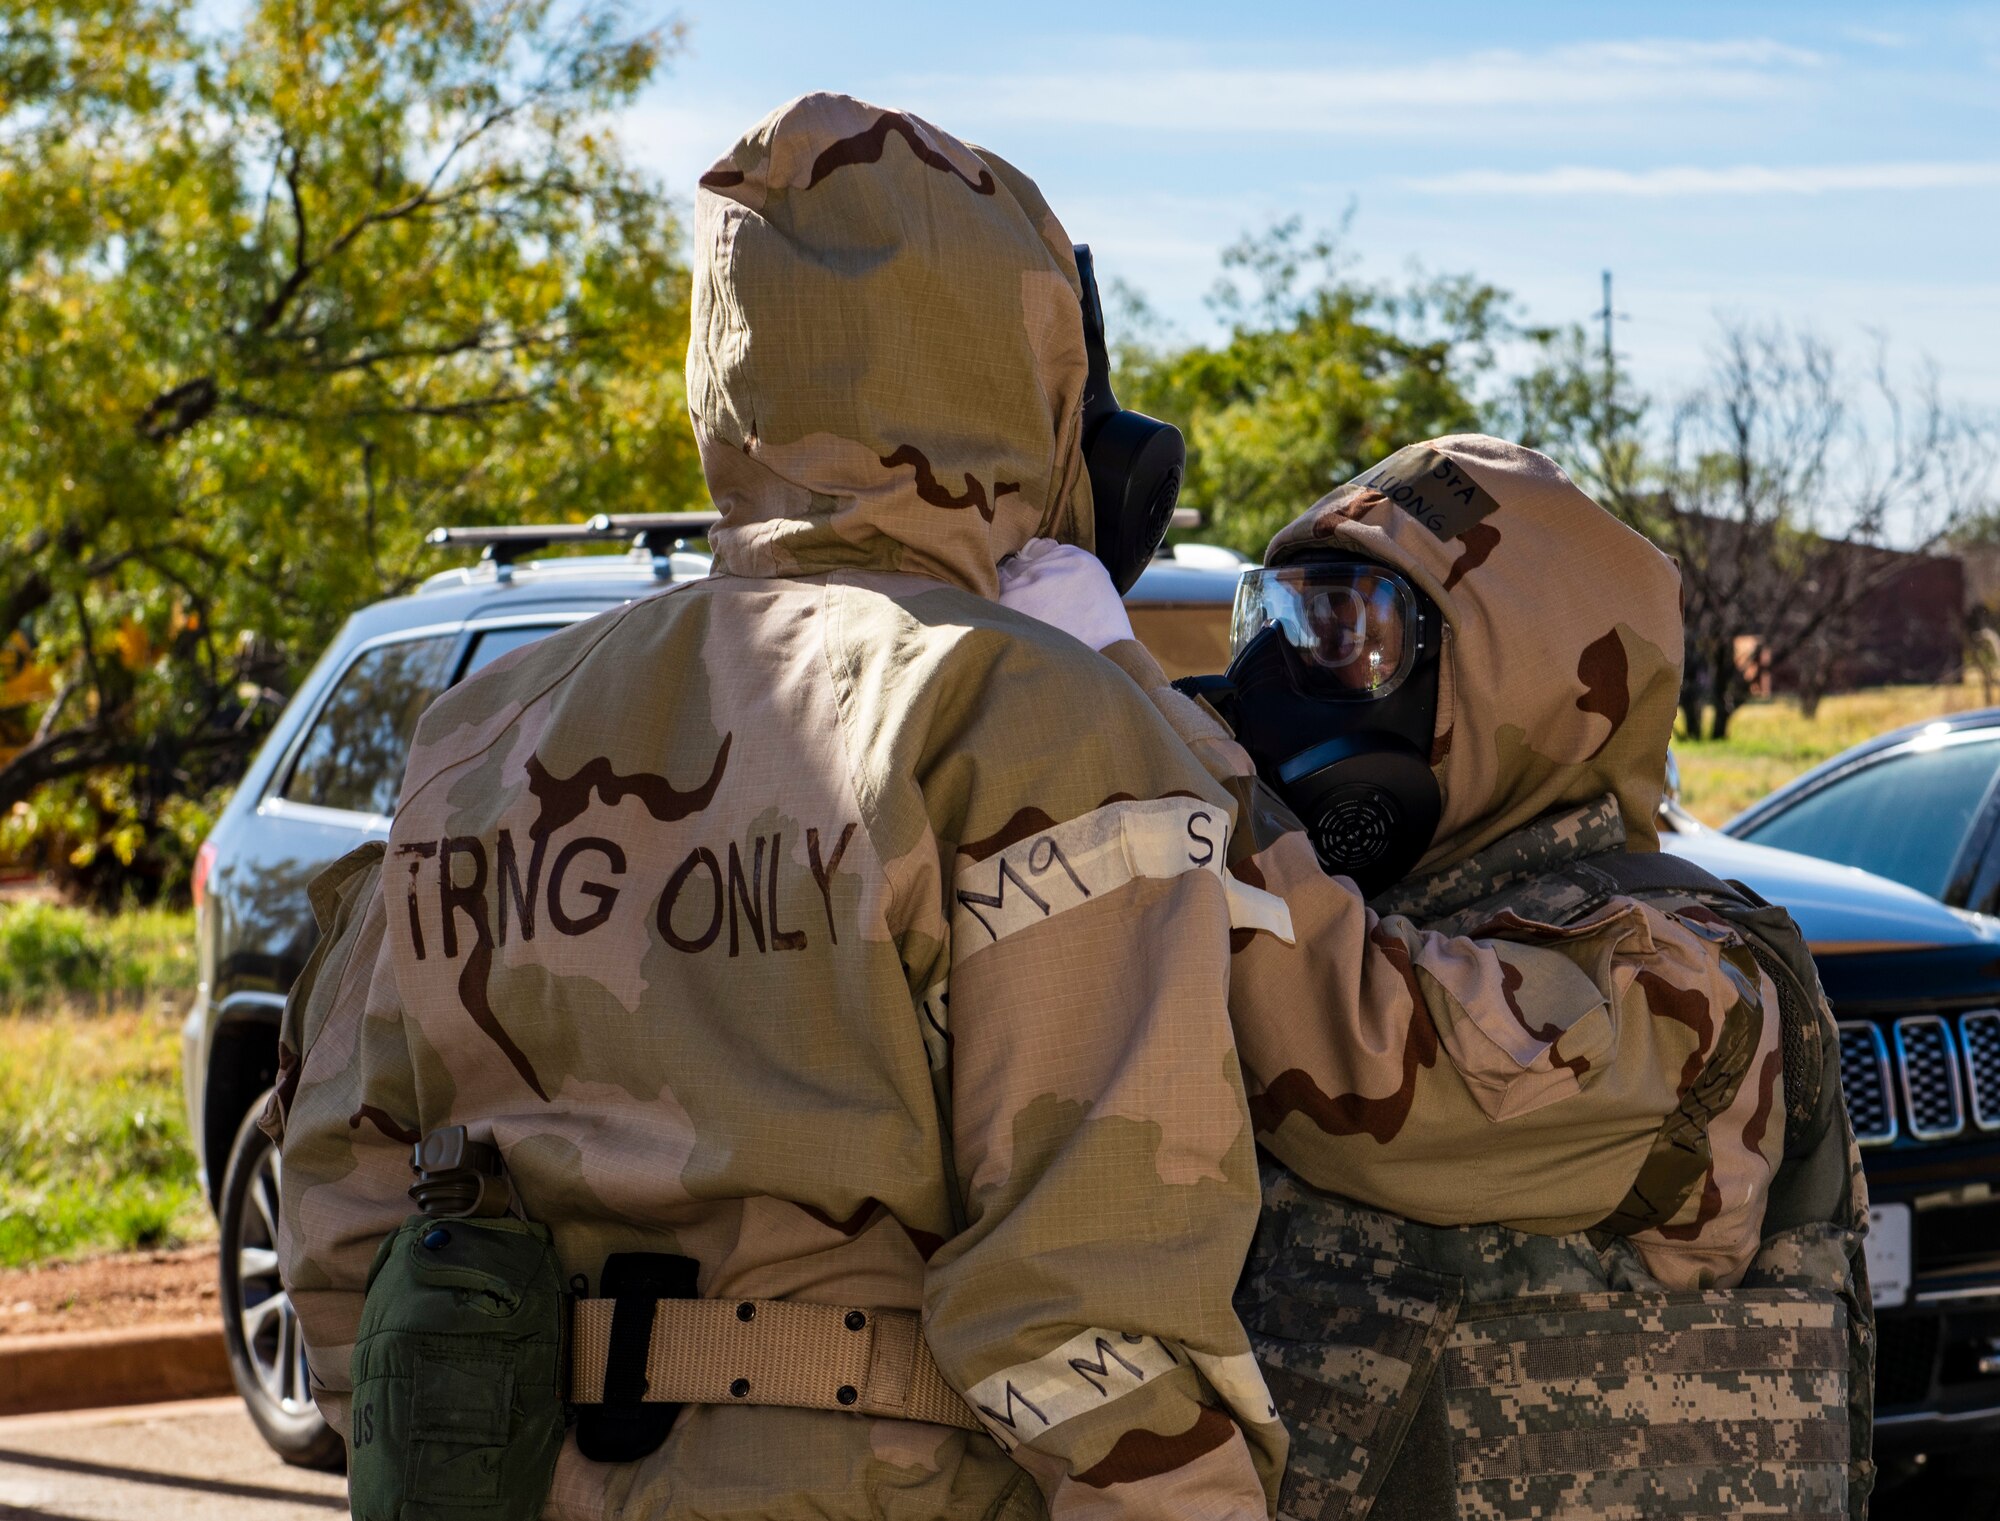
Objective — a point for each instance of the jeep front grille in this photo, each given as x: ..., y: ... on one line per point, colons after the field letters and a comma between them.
x: 1927, y: 1076
x: 1928, y: 1057
x: 1864, y: 1074
x: 1979, y: 1031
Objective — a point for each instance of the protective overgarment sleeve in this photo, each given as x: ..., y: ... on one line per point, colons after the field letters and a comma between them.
x: 1069, y: 924
x: 344, y: 1114
x: 1521, y: 1080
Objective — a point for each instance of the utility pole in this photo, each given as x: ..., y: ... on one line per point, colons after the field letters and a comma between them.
x: 1609, y: 315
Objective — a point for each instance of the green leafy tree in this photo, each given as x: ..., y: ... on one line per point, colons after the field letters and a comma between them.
x: 1321, y: 375
x: 272, y: 302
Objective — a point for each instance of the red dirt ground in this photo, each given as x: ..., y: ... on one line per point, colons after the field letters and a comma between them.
x: 97, y: 1293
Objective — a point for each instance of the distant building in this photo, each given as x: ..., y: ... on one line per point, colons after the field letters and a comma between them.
x: 1982, y: 576
x: 1909, y: 630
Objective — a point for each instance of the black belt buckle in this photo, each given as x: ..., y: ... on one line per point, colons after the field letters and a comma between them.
x: 624, y: 1429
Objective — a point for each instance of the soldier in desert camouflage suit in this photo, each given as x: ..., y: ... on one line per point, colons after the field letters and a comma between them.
x: 1515, y: 1305
x: 835, y: 926
x: 791, y: 921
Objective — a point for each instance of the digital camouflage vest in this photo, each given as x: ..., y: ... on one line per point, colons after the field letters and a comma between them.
x: 1482, y: 1372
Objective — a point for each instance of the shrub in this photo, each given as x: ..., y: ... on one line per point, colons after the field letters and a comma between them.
x: 50, y: 953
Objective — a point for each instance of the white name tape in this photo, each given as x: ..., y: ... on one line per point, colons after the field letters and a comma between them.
x: 1058, y: 869
x: 1095, y: 1367
x: 1091, y: 1369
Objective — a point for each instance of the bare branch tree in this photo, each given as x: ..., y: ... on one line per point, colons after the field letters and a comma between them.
x: 1790, y: 494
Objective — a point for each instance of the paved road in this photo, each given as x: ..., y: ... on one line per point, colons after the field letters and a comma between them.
x: 201, y: 1458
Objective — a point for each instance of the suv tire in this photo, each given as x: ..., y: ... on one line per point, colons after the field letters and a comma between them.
x: 259, y: 1326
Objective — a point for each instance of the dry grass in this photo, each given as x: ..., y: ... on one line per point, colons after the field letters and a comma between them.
x: 1770, y: 742
x: 93, y: 1147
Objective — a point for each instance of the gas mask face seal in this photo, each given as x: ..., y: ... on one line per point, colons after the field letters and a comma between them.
x: 1135, y: 461
x: 1333, y: 688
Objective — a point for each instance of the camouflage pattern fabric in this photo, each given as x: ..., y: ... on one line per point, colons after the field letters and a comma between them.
x: 1524, y: 1068
x: 789, y: 920
x: 1543, y: 1376
x: 1349, y: 1334
x: 1563, y: 1303
x: 1826, y: 1255
x: 1521, y: 862
x: 1817, y: 1209
x: 891, y: 373
x: 1643, y: 1405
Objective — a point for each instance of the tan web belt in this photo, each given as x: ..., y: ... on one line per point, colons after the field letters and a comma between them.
x: 774, y: 1352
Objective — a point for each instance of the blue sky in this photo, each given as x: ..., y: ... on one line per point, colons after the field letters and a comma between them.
x: 1832, y: 163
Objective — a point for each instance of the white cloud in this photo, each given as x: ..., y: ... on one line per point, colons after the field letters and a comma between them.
x: 1681, y: 52
x: 1874, y: 37
x: 1434, y: 92
x: 678, y: 127
x: 1740, y: 179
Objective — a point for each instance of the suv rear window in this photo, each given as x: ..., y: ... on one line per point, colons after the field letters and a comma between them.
x: 353, y: 757
x: 496, y: 642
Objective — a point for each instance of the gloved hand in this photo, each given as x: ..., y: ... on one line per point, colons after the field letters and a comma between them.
x: 1066, y: 587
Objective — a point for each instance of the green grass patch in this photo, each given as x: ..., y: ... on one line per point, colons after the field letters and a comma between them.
x: 1771, y: 742
x: 51, y: 954
x: 94, y: 1151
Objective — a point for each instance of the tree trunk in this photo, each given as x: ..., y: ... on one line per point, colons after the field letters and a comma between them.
x: 1723, y: 678
x: 1691, y: 694
x: 1691, y: 706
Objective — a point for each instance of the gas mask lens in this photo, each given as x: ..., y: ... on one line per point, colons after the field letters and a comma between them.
x: 1353, y: 626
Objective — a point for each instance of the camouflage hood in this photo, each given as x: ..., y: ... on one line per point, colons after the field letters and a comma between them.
x: 886, y: 364
x: 1562, y: 660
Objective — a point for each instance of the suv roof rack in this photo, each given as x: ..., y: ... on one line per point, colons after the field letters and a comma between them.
x: 656, y: 534
x: 653, y: 526
x: 652, y: 534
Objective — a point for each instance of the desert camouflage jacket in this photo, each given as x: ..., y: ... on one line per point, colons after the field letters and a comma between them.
x: 1547, y: 1076
x: 824, y: 921
x: 1480, y: 1372
x: 1521, y: 1254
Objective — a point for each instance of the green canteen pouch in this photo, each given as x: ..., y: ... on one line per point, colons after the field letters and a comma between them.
x: 458, y: 1374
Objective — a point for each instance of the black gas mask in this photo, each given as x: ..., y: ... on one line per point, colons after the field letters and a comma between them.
x: 1135, y: 461
x: 1333, y: 689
